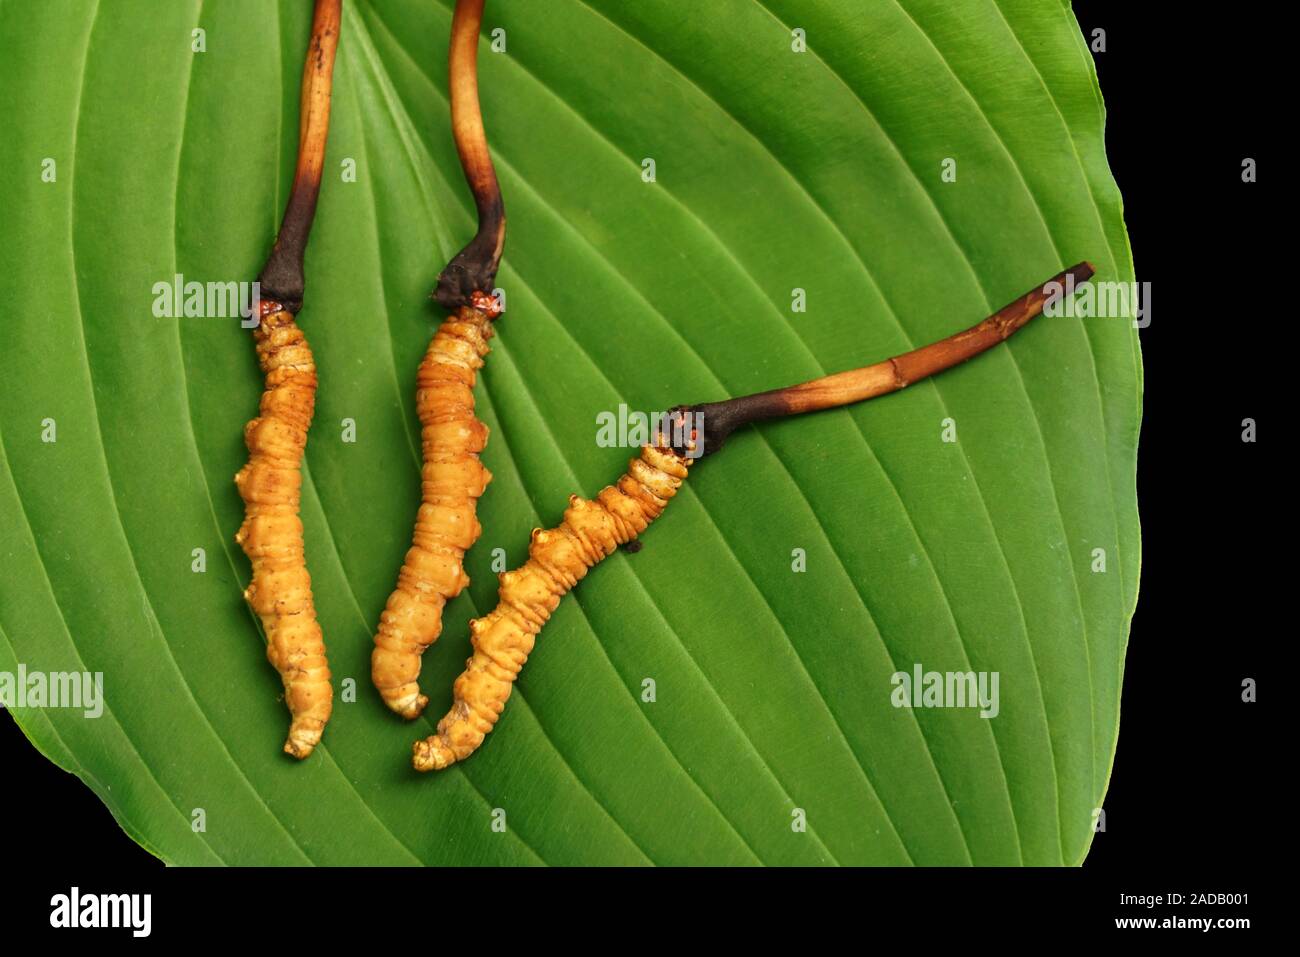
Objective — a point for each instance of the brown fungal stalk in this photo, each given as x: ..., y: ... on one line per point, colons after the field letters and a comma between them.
x: 720, y: 419
x: 282, y: 277
x: 474, y: 268
x: 270, y: 484
x: 560, y: 557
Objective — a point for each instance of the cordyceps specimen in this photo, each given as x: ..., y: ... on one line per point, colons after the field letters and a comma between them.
x: 452, y: 477
x: 271, y: 482
x: 560, y: 557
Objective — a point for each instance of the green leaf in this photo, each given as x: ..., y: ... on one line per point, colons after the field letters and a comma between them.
x: 775, y: 170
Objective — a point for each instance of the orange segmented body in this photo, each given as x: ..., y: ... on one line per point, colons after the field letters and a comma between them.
x: 271, y: 535
x: 558, y: 559
x: 453, y: 478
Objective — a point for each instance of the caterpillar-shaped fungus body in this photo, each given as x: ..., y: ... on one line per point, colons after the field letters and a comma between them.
x: 271, y: 535
x: 453, y: 478
x: 558, y: 559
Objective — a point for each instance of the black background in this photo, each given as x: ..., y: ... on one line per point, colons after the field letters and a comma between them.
x: 1188, y: 806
